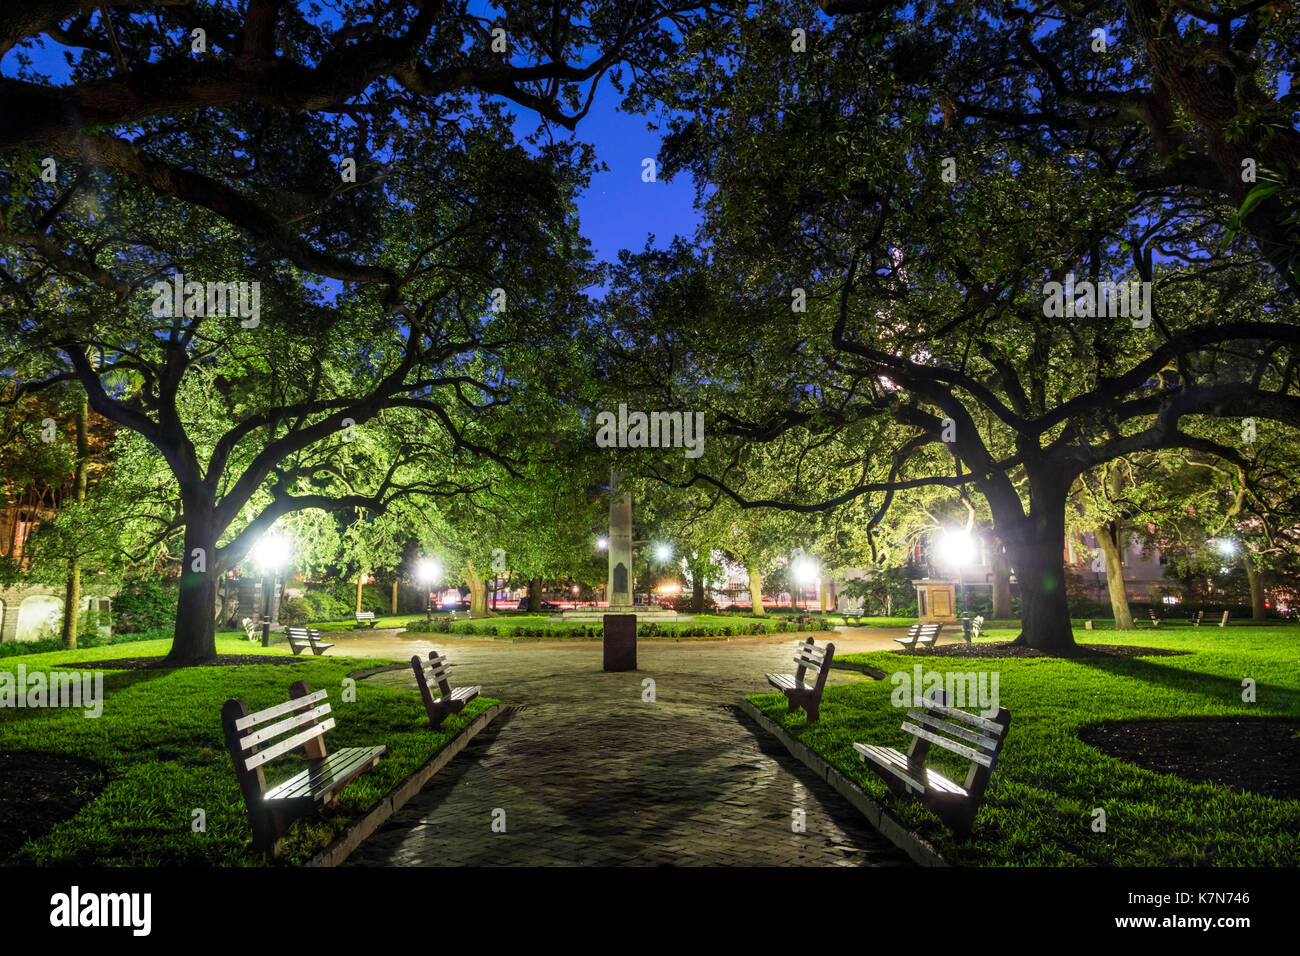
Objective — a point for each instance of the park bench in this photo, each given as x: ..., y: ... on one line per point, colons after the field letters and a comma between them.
x: 797, y: 693
x: 251, y: 629
x: 434, y: 675
x: 1195, y: 619
x: 920, y: 633
x: 306, y: 638
x: 364, y: 619
x: 857, y: 613
x: 1155, y: 621
x: 299, y: 723
x: 976, y: 625
x: 1224, y: 622
x: 979, y: 739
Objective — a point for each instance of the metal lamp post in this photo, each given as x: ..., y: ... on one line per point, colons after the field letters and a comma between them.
x: 270, y: 553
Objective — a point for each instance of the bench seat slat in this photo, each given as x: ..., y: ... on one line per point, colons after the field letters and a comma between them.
x: 987, y: 743
x: 294, y: 703
x: 464, y: 693
x: 785, y: 682
x: 896, y: 762
x: 289, y: 743
x: 276, y: 729
x: 336, y: 770
x: 968, y: 752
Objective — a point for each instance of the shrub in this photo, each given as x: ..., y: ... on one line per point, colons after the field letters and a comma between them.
x: 297, y: 611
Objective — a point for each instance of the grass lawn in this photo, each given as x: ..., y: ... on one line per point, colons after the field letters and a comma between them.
x: 387, y: 620
x: 1038, y: 809
x: 159, y: 741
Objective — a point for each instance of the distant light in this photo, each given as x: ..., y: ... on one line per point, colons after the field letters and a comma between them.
x: 428, y: 571
x: 271, y: 552
x: 663, y: 552
x: 451, y: 597
x: 575, y: 589
x: 1226, y: 546
x: 806, y: 570
x: 668, y: 589
x: 602, y: 543
x: 957, y: 548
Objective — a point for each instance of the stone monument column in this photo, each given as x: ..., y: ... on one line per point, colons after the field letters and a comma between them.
x: 620, y: 546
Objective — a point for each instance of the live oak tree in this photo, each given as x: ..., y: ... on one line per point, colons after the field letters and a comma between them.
x: 890, y: 306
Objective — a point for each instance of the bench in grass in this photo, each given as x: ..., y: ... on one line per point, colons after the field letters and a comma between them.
x: 797, y: 693
x: 251, y: 629
x: 972, y: 632
x: 977, y: 738
x: 1195, y: 619
x: 435, y: 674
x: 1224, y: 622
x: 364, y: 619
x: 299, y: 723
x: 920, y: 633
x: 857, y: 613
x: 1155, y: 621
x: 306, y: 638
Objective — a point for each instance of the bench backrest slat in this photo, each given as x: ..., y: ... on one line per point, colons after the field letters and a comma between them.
x: 271, y: 731
x: 295, y: 703
x: 990, y: 744
x: 288, y: 743
x: 992, y: 727
x: 961, y: 749
x: 364, y: 615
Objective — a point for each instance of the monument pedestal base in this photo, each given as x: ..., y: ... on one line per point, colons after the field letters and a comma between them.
x: 620, y: 642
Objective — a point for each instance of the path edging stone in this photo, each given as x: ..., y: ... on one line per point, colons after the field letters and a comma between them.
x: 921, y: 851
x: 352, y: 837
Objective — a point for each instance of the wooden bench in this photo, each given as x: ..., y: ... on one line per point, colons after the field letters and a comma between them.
x: 920, y: 633
x: 306, y: 638
x: 434, y: 675
x: 1224, y: 622
x: 1195, y: 619
x: 857, y: 613
x: 979, y: 739
x: 976, y: 625
x: 364, y: 619
x: 299, y: 723
x: 251, y: 629
x: 1155, y: 621
x: 797, y: 693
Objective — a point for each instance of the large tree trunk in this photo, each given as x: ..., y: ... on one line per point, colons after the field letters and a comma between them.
x: 1036, y: 546
x: 361, y: 580
x: 195, y: 640
x: 1001, y: 585
x: 1258, y: 612
x: 72, y: 594
x: 535, y: 594
x: 477, y: 593
x: 1109, y: 537
x: 697, y: 594
x: 756, y: 591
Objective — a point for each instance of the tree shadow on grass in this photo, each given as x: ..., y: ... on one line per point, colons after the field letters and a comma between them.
x: 1202, y: 683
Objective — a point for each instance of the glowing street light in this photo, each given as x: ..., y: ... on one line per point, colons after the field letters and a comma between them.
x: 602, y: 543
x: 1227, y: 547
x: 957, y: 549
x: 270, y: 553
x: 805, y: 572
x: 663, y: 552
x: 427, y: 572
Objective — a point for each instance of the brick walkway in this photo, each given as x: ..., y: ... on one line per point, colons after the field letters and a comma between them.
x: 589, y: 773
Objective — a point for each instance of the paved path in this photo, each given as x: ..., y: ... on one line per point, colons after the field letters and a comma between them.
x: 588, y: 772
